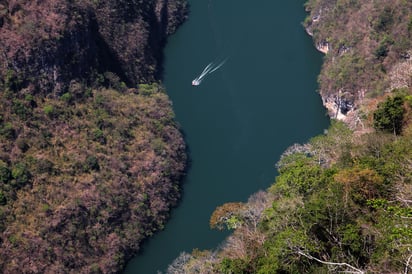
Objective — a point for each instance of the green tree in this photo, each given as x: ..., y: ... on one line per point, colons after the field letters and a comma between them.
x: 3, y: 200
x: 8, y: 131
x: 389, y: 115
x: 50, y: 111
x: 21, y: 175
x: 5, y: 174
x: 91, y: 164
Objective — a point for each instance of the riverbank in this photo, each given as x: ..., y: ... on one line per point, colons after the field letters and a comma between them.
x: 238, y: 120
x: 343, y: 197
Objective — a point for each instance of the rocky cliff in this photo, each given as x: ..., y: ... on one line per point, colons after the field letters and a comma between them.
x: 365, y: 56
x: 46, y: 44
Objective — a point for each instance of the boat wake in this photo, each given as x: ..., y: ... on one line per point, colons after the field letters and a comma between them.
x: 210, y: 68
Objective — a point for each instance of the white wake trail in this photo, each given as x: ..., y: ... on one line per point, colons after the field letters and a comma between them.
x: 210, y: 68
x: 207, y: 68
x: 218, y: 66
x: 206, y: 71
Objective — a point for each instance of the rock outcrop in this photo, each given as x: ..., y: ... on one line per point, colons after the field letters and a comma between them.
x: 46, y: 44
x: 365, y: 56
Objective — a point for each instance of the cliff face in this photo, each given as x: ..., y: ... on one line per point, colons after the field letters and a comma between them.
x: 90, y: 155
x: 47, y: 44
x: 365, y: 56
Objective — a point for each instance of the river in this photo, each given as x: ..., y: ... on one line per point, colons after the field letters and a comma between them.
x: 241, y: 118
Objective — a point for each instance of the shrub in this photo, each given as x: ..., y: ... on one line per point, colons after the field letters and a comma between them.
x: 49, y: 110
x: 5, y: 174
x: 149, y: 89
x: 22, y: 144
x: 98, y: 136
x: 91, y: 164
x: 44, y: 166
x: 67, y: 97
x: 8, y: 131
x: 20, y: 109
x: 3, y: 199
x: 385, y: 20
x: 12, y: 80
x: 21, y: 175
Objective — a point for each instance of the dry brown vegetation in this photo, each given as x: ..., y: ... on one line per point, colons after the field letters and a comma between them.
x: 97, y: 177
x: 369, y: 52
x: 46, y: 44
x: 90, y: 156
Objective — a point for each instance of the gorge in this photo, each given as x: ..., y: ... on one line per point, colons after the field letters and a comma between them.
x: 94, y: 152
x: 241, y: 118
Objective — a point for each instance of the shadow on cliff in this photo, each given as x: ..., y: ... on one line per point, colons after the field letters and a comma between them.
x: 158, y: 38
x: 107, y: 60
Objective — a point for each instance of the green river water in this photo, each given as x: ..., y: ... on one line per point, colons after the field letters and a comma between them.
x: 241, y: 118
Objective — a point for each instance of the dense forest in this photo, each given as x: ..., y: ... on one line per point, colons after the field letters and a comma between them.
x: 342, y: 202
x: 91, y: 158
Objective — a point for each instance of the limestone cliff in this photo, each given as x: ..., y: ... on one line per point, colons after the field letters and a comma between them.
x: 46, y: 44
x: 365, y: 56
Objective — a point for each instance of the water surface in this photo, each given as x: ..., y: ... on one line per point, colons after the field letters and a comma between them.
x: 241, y: 118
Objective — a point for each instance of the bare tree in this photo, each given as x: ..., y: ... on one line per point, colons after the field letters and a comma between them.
x: 178, y: 265
x: 349, y: 268
x: 407, y: 264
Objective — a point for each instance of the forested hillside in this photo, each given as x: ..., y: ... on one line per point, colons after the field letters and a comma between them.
x: 46, y: 45
x: 339, y: 204
x: 368, y: 53
x: 90, y: 155
x: 84, y: 181
x: 342, y: 203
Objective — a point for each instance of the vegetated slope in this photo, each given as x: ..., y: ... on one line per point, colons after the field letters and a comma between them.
x: 90, y: 154
x: 47, y: 44
x: 82, y: 183
x: 343, y: 201
x: 368, y: 52
x: 340, y: 203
